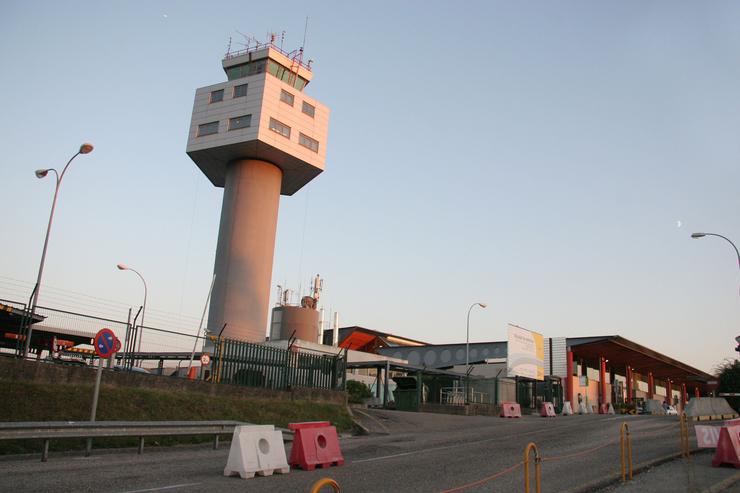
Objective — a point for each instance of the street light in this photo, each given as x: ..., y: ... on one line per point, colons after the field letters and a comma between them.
x: 85, y: 148
x: 467, y: 334
x: 701, y: 235
x: 143, y: 310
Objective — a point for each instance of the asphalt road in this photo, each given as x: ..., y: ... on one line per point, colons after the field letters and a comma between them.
x: 411, y: 452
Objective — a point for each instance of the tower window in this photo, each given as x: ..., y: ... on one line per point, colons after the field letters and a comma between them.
x: 286, y: 97
x: 207, y: 129
x: 307, y: 141
x: 308, y: 109
x: 240, y: 122
x: 240, y: 91
x: 280, y: 128
x: 217, y: 96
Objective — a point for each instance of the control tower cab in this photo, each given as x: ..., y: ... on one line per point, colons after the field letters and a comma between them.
x: 258, y: 136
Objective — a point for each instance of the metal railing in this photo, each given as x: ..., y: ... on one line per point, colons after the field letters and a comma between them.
x: 258, y: 365
x: 49, y: 430
x: 233, y: 361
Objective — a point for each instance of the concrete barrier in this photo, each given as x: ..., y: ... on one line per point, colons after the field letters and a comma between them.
x: 654, y: 406
x: 709, y: 408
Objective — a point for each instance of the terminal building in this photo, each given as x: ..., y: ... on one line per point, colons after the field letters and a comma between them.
x: 588, y: 370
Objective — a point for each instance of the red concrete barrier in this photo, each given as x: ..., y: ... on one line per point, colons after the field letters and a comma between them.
x: 315, y: 444
x: 511, y: 410
x: 728, y: 447
x: 547, y: 410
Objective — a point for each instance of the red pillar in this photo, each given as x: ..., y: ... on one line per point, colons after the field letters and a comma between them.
x: 629, y: 385
x: 696, y: 392
x: 683, y: 395
x: 602, y: 381
x: 569, y: 381
x: 669, y: 392
x: 651, y: 385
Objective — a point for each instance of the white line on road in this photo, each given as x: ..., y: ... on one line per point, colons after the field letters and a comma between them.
x: 466, y: 444
x: 163, y: 488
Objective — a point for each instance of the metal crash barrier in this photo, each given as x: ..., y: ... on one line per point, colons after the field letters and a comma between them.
x: 47, y: 431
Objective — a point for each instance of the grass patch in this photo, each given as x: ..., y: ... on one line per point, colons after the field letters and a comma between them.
x: 46, y: 402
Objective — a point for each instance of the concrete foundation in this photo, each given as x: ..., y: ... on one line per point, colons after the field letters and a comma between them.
x: 246, y: 245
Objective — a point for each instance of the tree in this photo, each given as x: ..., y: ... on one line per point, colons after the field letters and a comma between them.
x: 728, y: 374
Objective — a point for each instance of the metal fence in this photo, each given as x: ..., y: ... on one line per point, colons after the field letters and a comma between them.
x: 233, y: 361
x: 257, y: 365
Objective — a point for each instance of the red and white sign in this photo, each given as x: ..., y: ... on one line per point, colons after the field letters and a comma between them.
x: 205, y: 359
x: 707, y: 436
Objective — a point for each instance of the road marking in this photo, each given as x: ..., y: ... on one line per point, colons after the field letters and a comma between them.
x: 372, y: 418
x: 163, y: 488
x: 474, y: 442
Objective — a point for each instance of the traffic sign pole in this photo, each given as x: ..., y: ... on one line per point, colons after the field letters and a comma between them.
x: 94, y: 410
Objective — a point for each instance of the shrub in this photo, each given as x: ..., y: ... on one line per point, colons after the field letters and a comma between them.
x: 357, y: 391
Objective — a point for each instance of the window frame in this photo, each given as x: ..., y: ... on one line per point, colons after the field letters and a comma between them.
x: 279, y: 123
x: 217, y: 91
x: 287, y: 97
x: 313, y: 109
x: 202, y: 125
x: 233, y: 93
x: 249, y: 124
x: 303, y: 137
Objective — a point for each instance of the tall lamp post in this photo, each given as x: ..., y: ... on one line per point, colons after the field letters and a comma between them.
x: 85, y: 148
x: 701, y: 235
x: 143, y: 310
x: 467, y: 334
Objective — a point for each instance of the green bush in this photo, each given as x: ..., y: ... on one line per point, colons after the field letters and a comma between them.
x: 357, y: 391
x: 729, y: 381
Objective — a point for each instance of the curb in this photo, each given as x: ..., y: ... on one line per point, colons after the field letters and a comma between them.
x: 723, y: 485
x: 599, y: 484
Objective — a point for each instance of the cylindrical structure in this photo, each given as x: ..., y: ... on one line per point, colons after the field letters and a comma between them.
x: 294, y: 320
x: 630, y: 382
x: 669, y: 392
x: 651, y: 386
x: 244, y: 255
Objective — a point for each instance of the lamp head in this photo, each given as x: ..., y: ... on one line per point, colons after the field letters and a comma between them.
x: 698, y: 235
x: 482, y: 305
x: 41, y: 173
x: 86, y: 148
x: 122, y: 267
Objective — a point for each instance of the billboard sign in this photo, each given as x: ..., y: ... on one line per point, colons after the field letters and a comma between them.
x: 525, y: 354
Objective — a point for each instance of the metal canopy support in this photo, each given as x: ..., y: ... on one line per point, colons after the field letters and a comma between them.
x: 386, y: 376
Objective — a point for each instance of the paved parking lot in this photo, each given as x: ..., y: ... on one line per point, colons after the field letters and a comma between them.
x: 408, y: 452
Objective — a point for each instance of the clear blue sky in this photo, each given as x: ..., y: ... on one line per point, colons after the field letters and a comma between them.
x: 536, y: 156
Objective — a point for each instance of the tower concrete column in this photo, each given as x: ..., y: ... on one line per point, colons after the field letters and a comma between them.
x: 246, y: 245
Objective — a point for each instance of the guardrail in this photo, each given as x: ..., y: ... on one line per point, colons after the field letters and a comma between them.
x: 48, y: 430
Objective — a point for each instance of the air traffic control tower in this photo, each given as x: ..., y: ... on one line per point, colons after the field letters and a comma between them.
x: 258, y: 136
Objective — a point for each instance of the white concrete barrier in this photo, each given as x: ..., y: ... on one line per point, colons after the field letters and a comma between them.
x: 256, y: 449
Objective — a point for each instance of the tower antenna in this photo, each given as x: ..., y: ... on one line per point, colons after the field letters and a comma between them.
x: 305, y: 32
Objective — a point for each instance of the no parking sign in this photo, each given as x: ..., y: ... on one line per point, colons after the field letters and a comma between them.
x: 106, y: 343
